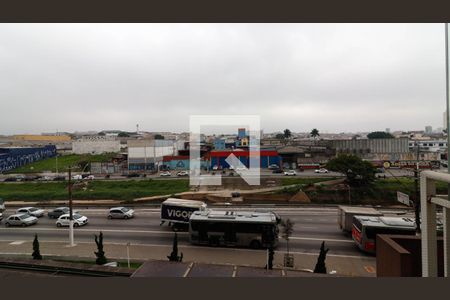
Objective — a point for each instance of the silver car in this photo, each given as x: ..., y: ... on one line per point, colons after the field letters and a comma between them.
x: 20, y: 220
x: 32, y: 211
x: 120, y: 213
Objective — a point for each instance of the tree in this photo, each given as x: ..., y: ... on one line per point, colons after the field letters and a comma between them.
x: 286, y: 231
x: 314, y: 133
x: 101, y: 258
x: 358, y: 171
x: 320, y: 265
x: 84, y: 165
x: 123, y: 134
x: 280, y: 136
x: 36, y: 253
x: 380, y: 135
x: 271, y: 255
x: 174, y: 254
x: 287, y: 133
x: 159, y: 137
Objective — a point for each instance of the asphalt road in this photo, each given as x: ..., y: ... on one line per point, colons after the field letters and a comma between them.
x: 312, y: 226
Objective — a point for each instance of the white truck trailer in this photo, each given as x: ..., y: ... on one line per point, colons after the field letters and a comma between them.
x: 178, y: 211
x: 346, y: 214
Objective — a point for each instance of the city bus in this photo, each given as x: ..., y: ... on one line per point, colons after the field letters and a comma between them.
x: 234, y: 228
x: 366, y: 228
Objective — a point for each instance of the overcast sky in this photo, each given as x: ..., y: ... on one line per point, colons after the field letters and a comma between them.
x: 335, y: 77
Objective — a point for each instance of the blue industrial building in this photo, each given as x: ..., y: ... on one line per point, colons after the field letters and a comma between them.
x: 15, y: 157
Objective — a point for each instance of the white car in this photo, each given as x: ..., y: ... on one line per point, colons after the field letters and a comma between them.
x: 32, y: 211
x: 290, y: 173
x: 215, y: 168
x: 90, y: 177
x: 164, y: 174
x: 45, y: 178
x: 78, y: 220
x: 183, y: 173
x: 1, y: 216
x: 77, y: 177
x: 240, y: 168
x: 321, y: 170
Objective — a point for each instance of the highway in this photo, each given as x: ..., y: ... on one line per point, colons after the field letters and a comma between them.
x: 312, y: 226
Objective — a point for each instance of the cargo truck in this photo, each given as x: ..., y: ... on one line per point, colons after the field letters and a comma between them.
x: 178, y: 211
x: 346, y: 214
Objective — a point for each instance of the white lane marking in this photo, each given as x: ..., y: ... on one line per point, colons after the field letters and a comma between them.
x: 17, y: 243
x: 157, y: 232
x: 320, y: 239
x: 95, y: 230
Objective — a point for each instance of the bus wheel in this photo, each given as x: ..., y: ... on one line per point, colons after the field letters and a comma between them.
x: 255, y: 244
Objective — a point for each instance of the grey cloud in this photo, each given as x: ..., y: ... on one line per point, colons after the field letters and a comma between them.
x: 339, y: 77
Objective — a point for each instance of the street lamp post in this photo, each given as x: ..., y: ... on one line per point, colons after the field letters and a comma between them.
x: 70, y: 210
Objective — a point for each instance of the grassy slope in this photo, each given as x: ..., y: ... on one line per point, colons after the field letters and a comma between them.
x: 299, y: 180
x: 119, y: 190
x: 63, y: 163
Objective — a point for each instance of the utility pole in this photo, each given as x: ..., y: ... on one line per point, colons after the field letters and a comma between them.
x: 70, y: 209
x: 416, y: 190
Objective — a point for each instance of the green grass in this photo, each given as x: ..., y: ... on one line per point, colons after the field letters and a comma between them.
x: 64, y: 162
x: 305, y: 181
x: 116, y: 190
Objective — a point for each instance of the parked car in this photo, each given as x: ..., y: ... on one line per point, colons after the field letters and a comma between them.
x: 166, y: 173
x: 10, y: 179
x: 277, y: 171
x: 78, y: 220
x: 274, y: 167
x: 57, y: 212
x: 215, y: 168
x: 290, y: 173
x: 77, y: 177
x: 59, y: 178
x: 1, y: 216
x: 32, y: 211
x: 120, y: 213
x: 131, y: 175
x: 20, y: 177
x: 20, y: 220
x: 89, y: 177
x: 32, y: 177
x: 2, y: 205
x: 241, y: 168
x: 45, y: 178
x: 183, y: 173
x: 321, y: 170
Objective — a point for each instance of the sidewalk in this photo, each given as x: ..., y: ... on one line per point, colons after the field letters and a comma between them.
x: 343, y: 265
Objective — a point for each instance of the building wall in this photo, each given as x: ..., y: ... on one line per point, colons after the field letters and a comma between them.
x: 267, y: 158
x: 401, y: 256
x: 50, y: 138
x: 95, y: 145
x: 12, y: 158
x: 364, y: 146
x: 219, y: 144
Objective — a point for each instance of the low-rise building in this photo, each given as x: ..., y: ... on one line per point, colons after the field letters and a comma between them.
x: 95, y: 145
